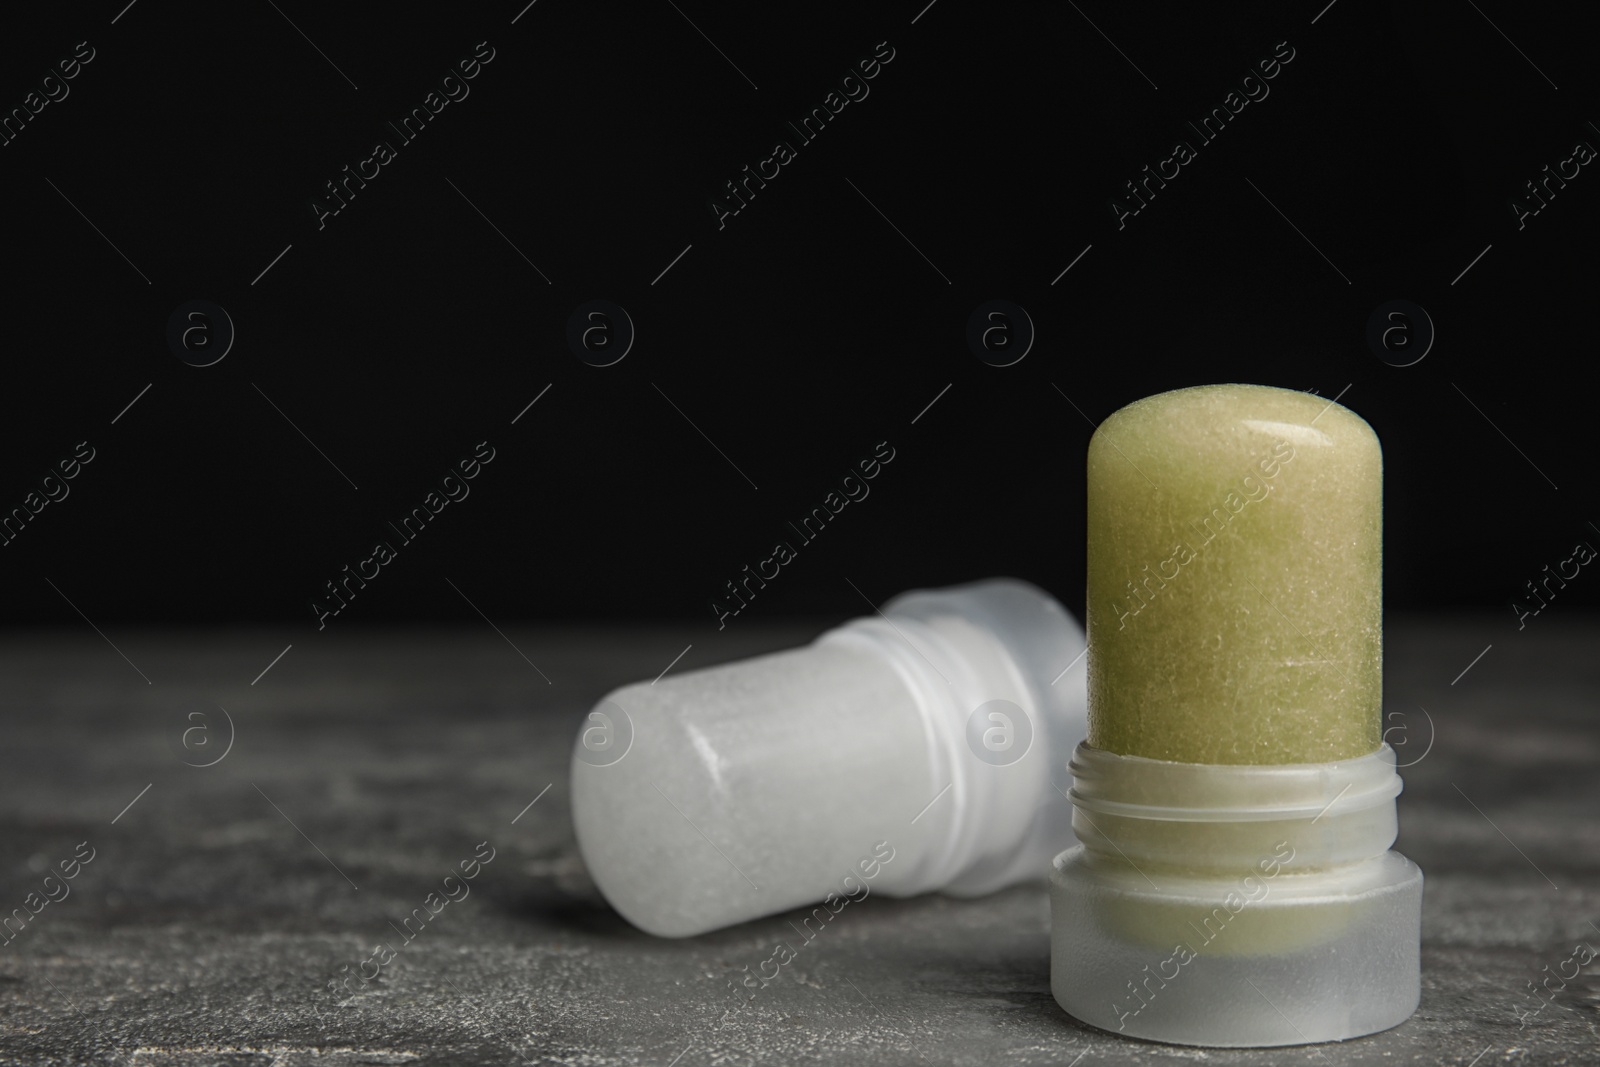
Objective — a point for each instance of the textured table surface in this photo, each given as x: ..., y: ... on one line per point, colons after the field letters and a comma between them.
x: 365, y: 766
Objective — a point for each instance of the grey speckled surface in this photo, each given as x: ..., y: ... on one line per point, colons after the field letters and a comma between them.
x: 206, y: 927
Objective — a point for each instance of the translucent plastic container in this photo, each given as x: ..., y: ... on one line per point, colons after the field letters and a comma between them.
x: 905, y: 752
x: 1235, y: 905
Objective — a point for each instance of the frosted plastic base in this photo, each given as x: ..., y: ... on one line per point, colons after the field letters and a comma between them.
x: 1321, y: 956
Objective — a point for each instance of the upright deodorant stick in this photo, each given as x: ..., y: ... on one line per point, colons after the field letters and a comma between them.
x: 1234, y: 798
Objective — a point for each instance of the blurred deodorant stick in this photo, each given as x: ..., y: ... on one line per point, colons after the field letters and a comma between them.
x: 905, y: 752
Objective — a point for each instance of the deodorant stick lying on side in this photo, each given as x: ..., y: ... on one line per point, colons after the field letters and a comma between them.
x: 901, y: 753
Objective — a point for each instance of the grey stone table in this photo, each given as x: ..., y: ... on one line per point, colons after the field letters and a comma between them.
x: 366, y: 765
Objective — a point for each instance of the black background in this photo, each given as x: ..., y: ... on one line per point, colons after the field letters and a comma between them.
x: 798, y: 336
